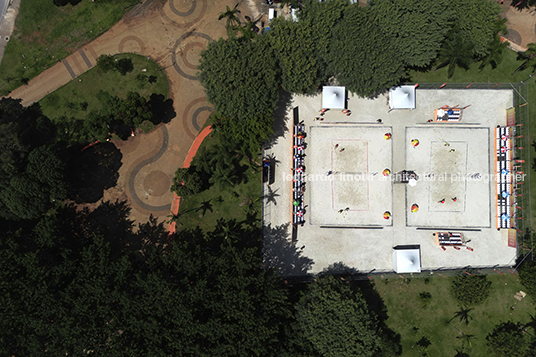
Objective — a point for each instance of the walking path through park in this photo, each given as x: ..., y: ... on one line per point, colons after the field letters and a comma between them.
x: 173, y: 34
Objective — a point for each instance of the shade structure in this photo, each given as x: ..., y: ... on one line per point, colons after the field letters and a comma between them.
x: 402, y: 97
x: 407, y: 260
x: 414, y: 207
x: 386, y: 215
x: 333, y: 97
x: 415, y: 142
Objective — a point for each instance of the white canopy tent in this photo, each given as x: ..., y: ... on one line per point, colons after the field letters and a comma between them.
x: 407, y: 260
x: 334, y: 97
x: 402, y: 97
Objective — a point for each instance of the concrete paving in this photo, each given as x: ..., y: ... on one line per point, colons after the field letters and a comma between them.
x: 361, y: 238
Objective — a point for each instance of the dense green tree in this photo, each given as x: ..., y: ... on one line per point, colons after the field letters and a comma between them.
x: 241, y: 80
x: 476, y: 23
x: 106, y: 63
x: 333, y: 320
x: 81, y: 282
x: 456, y: 52
x: 471, y: 290
x: 124, y: 66
x: 295, y: 49
x: 358, y: 61
x: 133, y: 110
x: 414, y: 28
x: 186, y: 182
x: 507, y: 339
x: 321, y: 18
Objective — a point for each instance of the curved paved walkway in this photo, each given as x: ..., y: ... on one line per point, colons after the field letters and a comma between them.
x: 173, y: 35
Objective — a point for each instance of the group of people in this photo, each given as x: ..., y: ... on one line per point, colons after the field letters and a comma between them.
x: 298, y: 168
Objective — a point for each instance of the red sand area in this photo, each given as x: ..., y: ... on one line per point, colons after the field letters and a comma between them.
x: 193, y: 150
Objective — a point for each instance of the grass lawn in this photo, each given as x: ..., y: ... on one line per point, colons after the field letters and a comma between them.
x: 407, y: 311
x: 501, y: 74
x: 67, y: 100
x: 229, y: 203
x: 45, y: 33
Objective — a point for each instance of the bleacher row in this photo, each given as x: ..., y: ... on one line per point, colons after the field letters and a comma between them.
x: 503, y: 172
x: 298, y: 172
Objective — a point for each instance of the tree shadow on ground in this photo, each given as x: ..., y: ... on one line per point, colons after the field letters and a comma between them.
x: 111, y: 219
x: 92, y: 171
x: 281, y: 255
x: 162, y: 109
x: 284, y: 107
x: 375, y: 303
x: 522, y: 5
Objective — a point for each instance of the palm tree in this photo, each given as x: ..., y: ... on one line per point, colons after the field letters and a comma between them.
x: 463, y: 314
x: 230, y: 14
x: 529, y: 58
x: 205, y: 206
x: 456, y: 52
x: 271, y: 195
x: 466, y: 339
x: 494, y: 57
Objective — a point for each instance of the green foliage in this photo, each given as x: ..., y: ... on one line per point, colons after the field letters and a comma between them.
x: 414, y: 28
x: 296, y: 52
x: 186, y: 182
x: 133, y: 110
x: 357, y: 61
x: 471, y: 290
x: 76, y: 282
x: 507, y: 339
x: 124, y: 66
x: 425, y: 296
x: 456, y: 52
x: 476, y: 23
x: 106, y: 63
x: 321, y: 18
x: 241, y: 80
x: 334, y: 320
x: 527, y: 276
x: 141, y: 79
x: 30, y: 193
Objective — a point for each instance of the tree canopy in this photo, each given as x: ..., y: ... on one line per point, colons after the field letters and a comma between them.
x: 241, y: 80
x: 357, y: 60
x: 507, y: 339
x: 82, y: 282
x: 471, y: 290
x: 296, y: 51
x: 332, y: 319
x: 414, y: 28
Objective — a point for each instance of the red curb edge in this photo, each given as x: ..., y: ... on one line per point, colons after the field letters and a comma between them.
x: 193, y: 150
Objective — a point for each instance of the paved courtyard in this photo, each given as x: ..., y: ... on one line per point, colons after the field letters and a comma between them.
x: 347, y: 192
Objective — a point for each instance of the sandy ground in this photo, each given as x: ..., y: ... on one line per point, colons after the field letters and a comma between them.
x: 359, y: 240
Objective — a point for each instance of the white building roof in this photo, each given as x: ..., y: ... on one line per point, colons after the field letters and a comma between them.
x: 402, y: 97
x: 407, y: 260
x: 333, y: 97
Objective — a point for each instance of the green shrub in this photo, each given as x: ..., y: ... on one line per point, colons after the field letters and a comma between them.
x: 507, y: 339
x: 471, y: 290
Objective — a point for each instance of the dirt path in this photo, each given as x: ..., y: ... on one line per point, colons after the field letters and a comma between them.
x: 172, y: 33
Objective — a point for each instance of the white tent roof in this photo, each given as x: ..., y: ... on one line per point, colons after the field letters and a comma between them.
x: 333, y: 97
x: 402, y: 97
x: 407, y: 260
